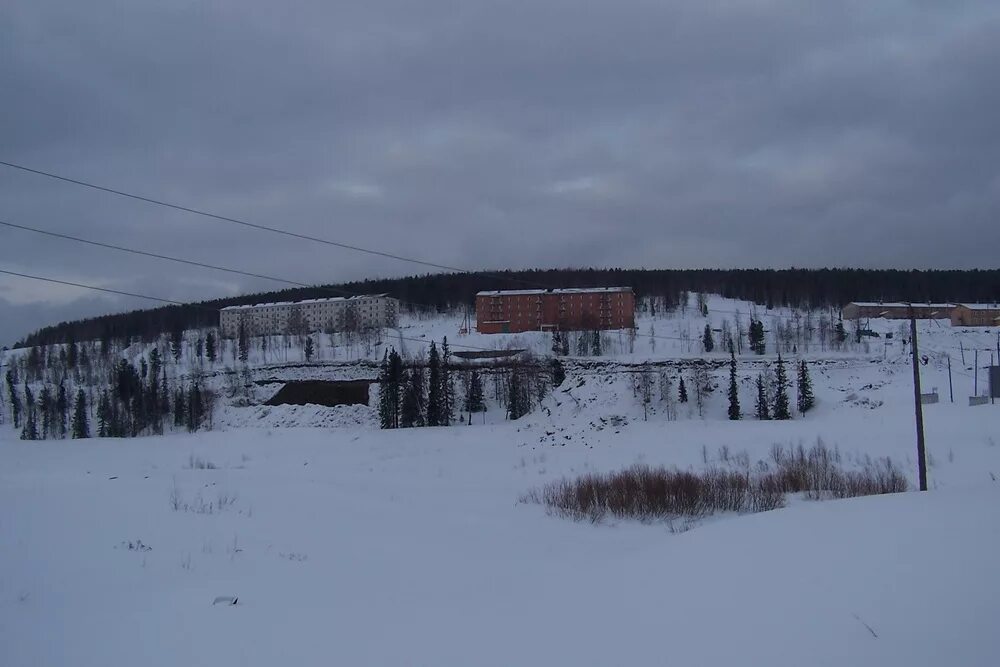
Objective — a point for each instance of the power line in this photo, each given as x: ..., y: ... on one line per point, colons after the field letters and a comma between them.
x: 181, y: 260
x: 253, y: 225
x: 187, y: 305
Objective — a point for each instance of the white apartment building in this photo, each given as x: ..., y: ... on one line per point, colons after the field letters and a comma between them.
x: 369, y: 311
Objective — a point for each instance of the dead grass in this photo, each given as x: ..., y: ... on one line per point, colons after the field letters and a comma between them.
x: 651, y: 493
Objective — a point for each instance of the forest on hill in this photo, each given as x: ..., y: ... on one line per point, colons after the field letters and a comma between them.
x: 800, y: 288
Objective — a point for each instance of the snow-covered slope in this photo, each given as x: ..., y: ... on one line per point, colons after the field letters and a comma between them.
x: 363, y: 547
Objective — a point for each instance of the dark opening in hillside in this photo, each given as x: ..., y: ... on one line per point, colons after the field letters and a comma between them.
x: 322, y: 392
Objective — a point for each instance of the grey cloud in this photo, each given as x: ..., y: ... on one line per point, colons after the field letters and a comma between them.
x: 476, y: 134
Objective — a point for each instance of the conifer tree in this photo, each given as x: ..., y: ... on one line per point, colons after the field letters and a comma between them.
x: 72, y: 354
x: 62, y: 409
x: 396, y: 384
x: 756, y: 334
x: 805, y: 395
x: 734, y: 393
x: 177, y: 343
x: 781, y: 410
x: 410, y: 413
x: 447, y: 385
x: 15, y: 399
x: 103, y: 414
x: 385, y: 407
x: 516, y: 394
x: 45, y: 405
x: 434, y: 399
x: 195, y: 408
x: 210, y: 347
x: 682, y: 392
x: 243, y: 341
x: 474, y: 394
x: 81, y: 428
x: 595, y: 345
x: 706, y: 340
x: 30, y: 430
x: 309, y: 349
x: 180, y: 408
x: 762, y: 410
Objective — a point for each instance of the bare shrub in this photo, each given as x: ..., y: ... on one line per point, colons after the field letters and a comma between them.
x: 197, y: 463
x: 656, y: 493
x: 646, y: 493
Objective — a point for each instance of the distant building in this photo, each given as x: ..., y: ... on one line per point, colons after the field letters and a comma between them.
x: 513, y: 311
x: 370, y: 311
x: 896, y: 310
x: 975, y: 315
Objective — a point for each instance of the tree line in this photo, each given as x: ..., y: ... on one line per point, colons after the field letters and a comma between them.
x: 799, y: 288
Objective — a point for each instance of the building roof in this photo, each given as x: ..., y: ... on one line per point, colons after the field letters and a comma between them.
x: 899, y: 304
x: 568, y: 290
x: 980, y: 306
x: 333, y: 299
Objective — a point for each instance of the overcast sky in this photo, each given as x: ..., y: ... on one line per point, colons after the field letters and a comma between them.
x: 523, y: 133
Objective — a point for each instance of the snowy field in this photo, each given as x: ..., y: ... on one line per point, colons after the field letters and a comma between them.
x: 363, y: 547
x: 347, y: 545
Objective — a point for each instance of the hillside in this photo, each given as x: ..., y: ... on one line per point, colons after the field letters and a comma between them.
x: 800, y: 288
x: 333, y: 535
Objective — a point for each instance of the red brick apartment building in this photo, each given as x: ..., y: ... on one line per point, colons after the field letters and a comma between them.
x: 513, y: 311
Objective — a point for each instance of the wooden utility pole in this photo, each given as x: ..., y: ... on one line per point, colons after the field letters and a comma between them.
x: 918, y: 406
x: 951, y: 391
x: 975, y: 374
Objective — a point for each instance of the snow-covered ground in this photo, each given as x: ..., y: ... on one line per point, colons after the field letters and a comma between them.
x: 366, y: 547
x: 349, y: 545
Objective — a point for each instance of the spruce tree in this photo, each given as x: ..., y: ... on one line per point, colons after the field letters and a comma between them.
x: 434, y: 399
x: 210, y: 347
x: 195, y: 408
x: 30, y: 430
x: 395, y: 384
x: 682, y: 392
x: 447, y: 385
x: 762, y: 410
x: 177, y: 343
x: 243, y: 341
x: 15, y: 399
x: 595, y: 345
x: 474, y: 395
x: 72, y: 354
x: 781, y: 410
x: 81, y: 429
x: 45, y: 407
x: 62, y: 409
x: 385, y: 407
x: 309, y: 349
x: 706, y: 340
x: 412, y: 398
x: 756, y: 334
x: 516, y: 406
x: 805, y: 395
x: 103, y: 415
x: 734, y: 393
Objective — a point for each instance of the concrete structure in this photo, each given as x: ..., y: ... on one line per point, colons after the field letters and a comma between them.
x: 975, y: 315
x: 369, y: 311
x: 896, y: 310
x: 512, y: 311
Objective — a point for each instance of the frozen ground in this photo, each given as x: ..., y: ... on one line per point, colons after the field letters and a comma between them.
x: 354, y: 546
x: 364, y: 547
